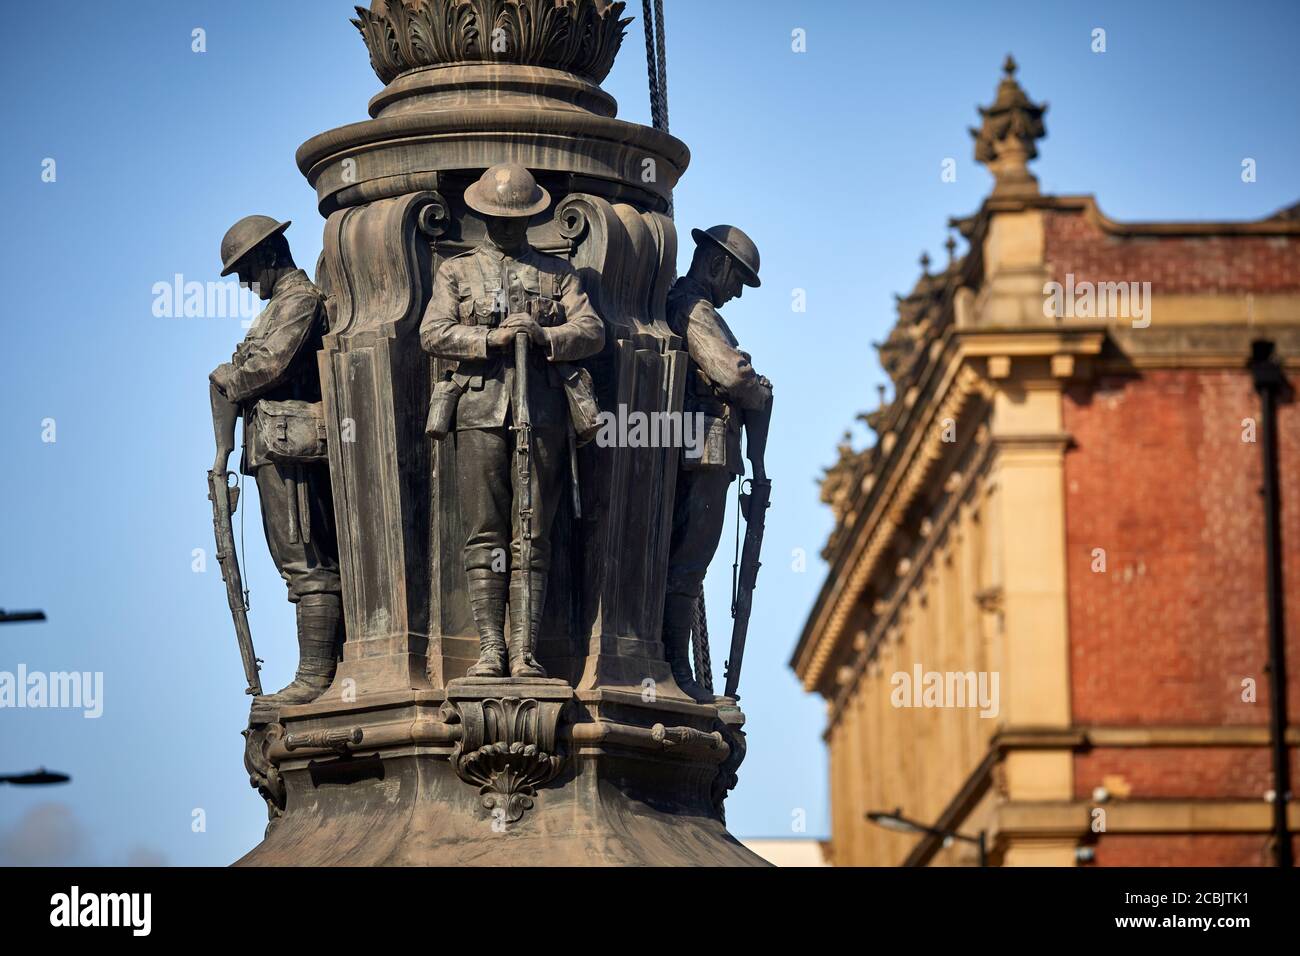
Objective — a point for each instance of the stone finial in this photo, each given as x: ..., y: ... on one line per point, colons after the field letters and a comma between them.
x: 1005, y: 141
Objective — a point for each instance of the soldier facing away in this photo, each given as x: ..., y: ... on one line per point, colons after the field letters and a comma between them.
x: 481, y: 301
x: 274, y: 382
x: 723, y: 386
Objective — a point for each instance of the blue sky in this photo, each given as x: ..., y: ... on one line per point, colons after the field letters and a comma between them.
x: 829, y: 158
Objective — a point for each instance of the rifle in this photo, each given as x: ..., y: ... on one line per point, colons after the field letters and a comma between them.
x: 225, y: 500
x: 523, y: 429
x: 753, y: 505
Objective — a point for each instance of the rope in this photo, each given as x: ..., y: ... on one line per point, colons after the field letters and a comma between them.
x: 700, y: 645
x: 651, y: 64
x: 656, y: 62
x: 663, y: 65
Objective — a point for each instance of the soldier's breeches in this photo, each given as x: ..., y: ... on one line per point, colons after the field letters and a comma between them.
x: 308, y: 567
x: 698, y: 515
x: 487, y: 482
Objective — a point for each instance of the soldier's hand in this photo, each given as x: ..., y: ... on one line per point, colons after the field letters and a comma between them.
x: 523, y: 322
x: 221, y: 376
x: 500, y: 338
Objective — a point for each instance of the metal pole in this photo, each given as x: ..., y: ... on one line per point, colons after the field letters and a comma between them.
x: 14, y: 617
x: 899, y: 823
x: 1269, y: 382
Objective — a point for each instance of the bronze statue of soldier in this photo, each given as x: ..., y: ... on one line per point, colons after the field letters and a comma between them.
x: 721, y: 385
x: 482, y: 302
x: 272, y: 380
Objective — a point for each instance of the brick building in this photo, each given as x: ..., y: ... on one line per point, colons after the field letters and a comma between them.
x: 1047, y: 612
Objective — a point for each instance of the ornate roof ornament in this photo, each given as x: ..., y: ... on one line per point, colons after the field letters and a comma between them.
x: 1005, y: 141
x: 576, y: 36
x: 919, y: 316
x: 839, y: 480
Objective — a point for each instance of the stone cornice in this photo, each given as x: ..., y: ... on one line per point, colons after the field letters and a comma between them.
x: 1123, y: 816
x: 1074, y: 818
x: 1087, y: 204
x: 975, y: 226
x: 893, y: 421
x: 904, y: 474
x: 1075, y: 339
x: 876, y: 489
x: 355, y: 163
x: 975, y: 471
x: 953, y: 374
x: 1218, y: 345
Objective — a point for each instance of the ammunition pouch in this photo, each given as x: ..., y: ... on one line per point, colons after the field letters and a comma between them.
x: 292, y: 432
x: 442, y: 408
x: 546, y: 312
x: 581, y: 396
x: 713, y: 446
x: 484, y: 312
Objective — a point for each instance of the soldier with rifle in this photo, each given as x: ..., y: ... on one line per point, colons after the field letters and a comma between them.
x: 723, y: 386
x: 510, y: 318
x: 273, y: 382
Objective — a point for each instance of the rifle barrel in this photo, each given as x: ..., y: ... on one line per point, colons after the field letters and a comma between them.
x: 523, y: 436
x: 760, y: 492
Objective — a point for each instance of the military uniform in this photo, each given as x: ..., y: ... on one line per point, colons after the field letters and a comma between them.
x: 472, y: 295
x: 721, y: 383
x: 277, y: 361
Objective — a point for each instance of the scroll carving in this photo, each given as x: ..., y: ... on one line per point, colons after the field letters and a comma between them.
x: 263, y: 775
x: 626, y: 259
x: 508, y: 747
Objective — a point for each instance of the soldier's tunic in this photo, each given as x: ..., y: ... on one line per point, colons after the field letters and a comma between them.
x: 472, y: 295
x: 720, y: 383
x: 276, y: 361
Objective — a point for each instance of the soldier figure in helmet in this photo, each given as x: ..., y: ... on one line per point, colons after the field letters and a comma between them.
x: 722, y: 384
x: 273, y: 379
x: 481, y: 300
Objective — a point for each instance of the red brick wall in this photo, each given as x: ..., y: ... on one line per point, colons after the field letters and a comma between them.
x: 1152, y: 773
x: 1202, y: 849
x: 1175, y: 264
x: 1160, y: 478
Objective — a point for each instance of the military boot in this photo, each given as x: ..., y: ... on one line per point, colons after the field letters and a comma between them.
x: 318, y: 649
x: 679, y: 615
x: 523, y: 635
x: 487, y: 599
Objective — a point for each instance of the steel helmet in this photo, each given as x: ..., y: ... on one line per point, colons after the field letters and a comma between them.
x: 734, y: 243
x: 245, y: 236
x: 509, y: 191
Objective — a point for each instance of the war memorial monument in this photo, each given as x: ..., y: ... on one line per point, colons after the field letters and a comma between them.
x: 503, y: 648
